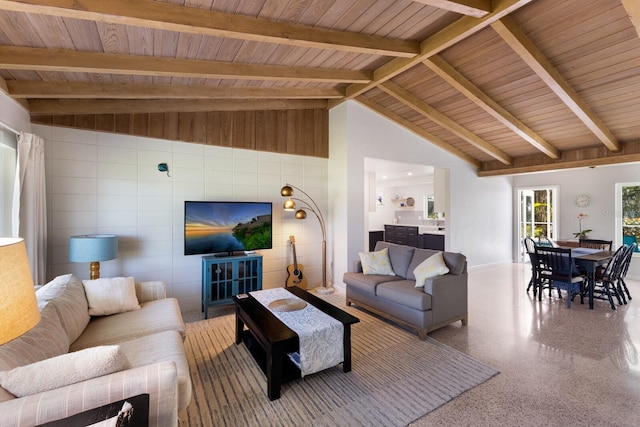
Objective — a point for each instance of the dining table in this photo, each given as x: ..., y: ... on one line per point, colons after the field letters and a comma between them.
x: 589, y: 260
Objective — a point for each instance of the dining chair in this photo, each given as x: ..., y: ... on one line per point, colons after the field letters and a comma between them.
x: 604, y: 245
x: 538, y: 282
x: 606, y: 284
x: 529, y: 246
x: 622, y: 286
x: 557, y: 268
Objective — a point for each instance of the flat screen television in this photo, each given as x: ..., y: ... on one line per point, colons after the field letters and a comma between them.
x: 226, y: 227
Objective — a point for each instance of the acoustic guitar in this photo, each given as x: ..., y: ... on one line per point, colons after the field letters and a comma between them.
x: 296, y: 278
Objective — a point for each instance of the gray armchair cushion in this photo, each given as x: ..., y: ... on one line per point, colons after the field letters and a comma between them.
x: 399, y: 255
x: 457, y: 263
x: 405, y: 293
x: 367, y: 283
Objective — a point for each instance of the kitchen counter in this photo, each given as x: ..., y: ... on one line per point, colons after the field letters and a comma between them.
x: 424, y: 229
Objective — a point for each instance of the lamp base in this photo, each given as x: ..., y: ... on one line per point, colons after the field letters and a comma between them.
x: 94, y: 270
x: 322, y: 290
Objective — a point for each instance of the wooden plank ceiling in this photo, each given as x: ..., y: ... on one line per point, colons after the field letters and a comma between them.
x: 510, y: 86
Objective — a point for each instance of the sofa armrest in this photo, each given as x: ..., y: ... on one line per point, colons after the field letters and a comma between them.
x: 448, y: 296
x: 149, y: 291
x: 159, y: 380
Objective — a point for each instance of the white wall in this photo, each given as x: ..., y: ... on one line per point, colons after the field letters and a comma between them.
x: 13, y: 114
x: 106, y: 183
x: 338, y: 223
x: 599, y: 183
x: 480, y: 222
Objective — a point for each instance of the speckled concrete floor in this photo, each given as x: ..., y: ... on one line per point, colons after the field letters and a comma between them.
x: 558, y: 366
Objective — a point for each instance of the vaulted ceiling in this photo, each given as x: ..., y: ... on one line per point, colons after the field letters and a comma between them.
x: 510, y: 86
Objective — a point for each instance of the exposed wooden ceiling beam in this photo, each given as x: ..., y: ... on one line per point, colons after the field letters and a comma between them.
x: 39, y: 59
x: 457, y: 31
x: 55, y: 89
x: 535, y: 59
x: 171, y: 17
x: 431, y: 113
x: 109, y: 106
x: 417, y: 130
x: 578, y: 158
x: 4, y: 88
x: 481, y: 99
x: 633, y: 10
x: 476, y: 8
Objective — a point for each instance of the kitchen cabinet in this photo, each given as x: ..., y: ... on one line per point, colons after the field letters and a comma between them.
x: 375, y: 237
x: 431, y: 241
x: 408, y: 235
x: 401, y: 235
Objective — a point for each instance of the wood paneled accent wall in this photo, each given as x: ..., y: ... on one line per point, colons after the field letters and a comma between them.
x: 301, y: 132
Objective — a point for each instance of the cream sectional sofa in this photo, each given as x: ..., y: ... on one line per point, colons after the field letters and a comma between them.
x: 151, y: 339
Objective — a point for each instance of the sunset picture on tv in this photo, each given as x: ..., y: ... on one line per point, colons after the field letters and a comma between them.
x: 214, y: 227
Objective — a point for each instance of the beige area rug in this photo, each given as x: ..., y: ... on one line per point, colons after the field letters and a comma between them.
x: 396, y: 379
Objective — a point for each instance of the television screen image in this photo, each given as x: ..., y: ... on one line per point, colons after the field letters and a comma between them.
x: 219, y: 227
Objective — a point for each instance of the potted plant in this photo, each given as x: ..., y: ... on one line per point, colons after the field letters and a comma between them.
x: 581, y: 234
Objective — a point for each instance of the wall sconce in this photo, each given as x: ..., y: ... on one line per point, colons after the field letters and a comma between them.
x: 290, y: 205
x: 163, y: 167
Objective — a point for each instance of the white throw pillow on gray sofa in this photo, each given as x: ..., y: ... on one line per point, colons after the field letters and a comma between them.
x: 430, y: 267
x: 376, y: 262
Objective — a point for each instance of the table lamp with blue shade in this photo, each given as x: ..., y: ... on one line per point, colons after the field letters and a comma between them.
x: 93, y: 248
x: 18, y: 306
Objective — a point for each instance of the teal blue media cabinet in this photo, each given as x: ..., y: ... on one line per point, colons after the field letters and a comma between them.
x: 225, y: 276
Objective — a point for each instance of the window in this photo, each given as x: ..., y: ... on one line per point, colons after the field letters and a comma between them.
x: 536, y: 215
x: 427, y: 207
x: 7, y: 177
x: 628, y: 205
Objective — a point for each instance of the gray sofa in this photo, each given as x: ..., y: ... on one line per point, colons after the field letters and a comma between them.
x: 443, y: 299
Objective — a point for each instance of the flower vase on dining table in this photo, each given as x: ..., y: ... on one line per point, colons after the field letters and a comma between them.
x: 581, y: 234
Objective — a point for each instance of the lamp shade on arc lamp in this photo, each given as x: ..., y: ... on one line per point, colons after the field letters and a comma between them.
x: 18, y: 306
x: 93, y: 248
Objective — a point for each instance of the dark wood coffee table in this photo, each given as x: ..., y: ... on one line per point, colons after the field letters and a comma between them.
x: 270, y: 341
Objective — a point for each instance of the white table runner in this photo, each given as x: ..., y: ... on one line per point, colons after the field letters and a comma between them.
x: 321, y: 336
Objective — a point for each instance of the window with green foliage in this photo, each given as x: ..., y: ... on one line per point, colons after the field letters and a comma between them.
x: 630, y: 209
x: 536, y: 215
x: 543, y: 213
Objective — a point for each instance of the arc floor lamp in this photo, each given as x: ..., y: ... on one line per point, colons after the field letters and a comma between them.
x: 290, y: 205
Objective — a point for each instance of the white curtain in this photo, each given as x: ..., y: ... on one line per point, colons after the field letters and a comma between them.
x: 29, y: 214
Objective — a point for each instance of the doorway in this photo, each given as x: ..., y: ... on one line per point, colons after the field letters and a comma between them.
x: 536, y: 216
